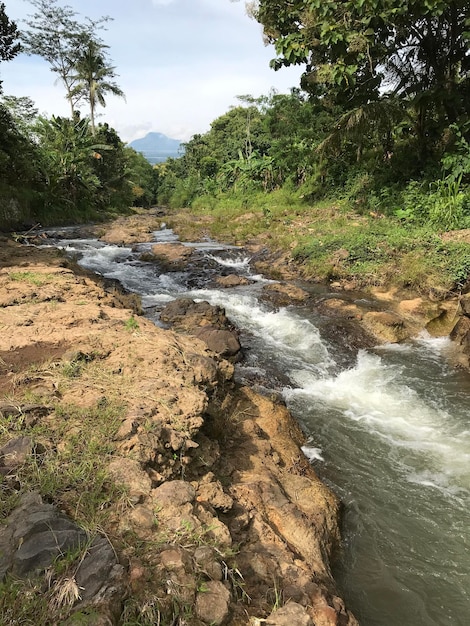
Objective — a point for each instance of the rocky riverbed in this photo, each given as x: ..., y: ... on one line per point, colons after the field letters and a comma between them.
x: 140, y: 483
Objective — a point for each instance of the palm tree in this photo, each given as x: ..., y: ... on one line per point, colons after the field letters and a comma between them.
x: 94, y: 76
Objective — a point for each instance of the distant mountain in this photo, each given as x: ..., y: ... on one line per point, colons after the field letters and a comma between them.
x: 157, y: 147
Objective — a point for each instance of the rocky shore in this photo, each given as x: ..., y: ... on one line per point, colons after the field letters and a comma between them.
x: 140, y: 483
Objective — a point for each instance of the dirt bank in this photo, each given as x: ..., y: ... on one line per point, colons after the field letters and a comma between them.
x: 140, y: 484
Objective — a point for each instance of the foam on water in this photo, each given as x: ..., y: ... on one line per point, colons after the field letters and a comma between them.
x: 374, y: 395
x: 312, y: 453
x: 293, y: 338
x: 238, y: 262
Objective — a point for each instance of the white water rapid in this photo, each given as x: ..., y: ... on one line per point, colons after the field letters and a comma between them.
x: 389, y: 432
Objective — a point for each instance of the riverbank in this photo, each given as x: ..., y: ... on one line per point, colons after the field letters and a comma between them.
x: 140, y: 484
x: 414, y: 290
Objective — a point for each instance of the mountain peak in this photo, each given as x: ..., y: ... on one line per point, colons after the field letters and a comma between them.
x: 157, y: 147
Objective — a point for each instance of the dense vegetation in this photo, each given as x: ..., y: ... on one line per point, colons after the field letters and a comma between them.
x: 379, y: 131
x: 57, y: 169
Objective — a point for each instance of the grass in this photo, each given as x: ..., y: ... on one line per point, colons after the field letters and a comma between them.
x: 32, y: 278
x: 69, y: 466
x: 333, y: 242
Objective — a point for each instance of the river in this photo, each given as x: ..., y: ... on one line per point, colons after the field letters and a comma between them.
x: 389, y: 430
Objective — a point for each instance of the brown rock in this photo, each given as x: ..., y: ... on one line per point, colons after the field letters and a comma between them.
x: 292, y: 614
x: 128, y: 472
x: 205, y: 559
x: 175, y: 493
x: 222, y: 342
x: 174, y: 559
x: 283, y: 294
x: 232, y: 280
x: 214, y: 494
x: 212, y: 603
x: 386, y: 326
x: 174, y: 255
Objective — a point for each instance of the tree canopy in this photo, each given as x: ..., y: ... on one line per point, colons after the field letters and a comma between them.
x: 9, y: 44
x: 57, y: 35
x: 359, y: 51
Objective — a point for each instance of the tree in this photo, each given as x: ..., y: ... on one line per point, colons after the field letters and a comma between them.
x: 68, y: 153
x: 57, y: 36
x: 92, y: 75
x: 9, y: 46
x: 359, y: 51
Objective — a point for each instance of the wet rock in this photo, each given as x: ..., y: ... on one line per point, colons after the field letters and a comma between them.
x: 204, y: 321
x: 223, y: 342
x: 186, y: 314
x: 460, y: 335
x: 283, y: 294
x: 212, y: 603
x: 232, y: 280
x: 292, y: 614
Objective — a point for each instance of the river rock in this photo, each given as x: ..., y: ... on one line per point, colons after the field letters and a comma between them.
x: 204, y: 321
x: 174, y: 256
x: 386, y: 326
x: 232, y: 280
x: 283, y: 294
x: 185, y: 314
x: 291, y: 614
x: 223, y: 342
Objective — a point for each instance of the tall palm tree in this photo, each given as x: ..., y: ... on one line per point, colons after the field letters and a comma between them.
x: 94, y: 76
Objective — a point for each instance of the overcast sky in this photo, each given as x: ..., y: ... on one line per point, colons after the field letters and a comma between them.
x: 181, y: 64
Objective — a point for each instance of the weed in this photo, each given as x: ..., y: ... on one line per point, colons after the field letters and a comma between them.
x: 131, y: 324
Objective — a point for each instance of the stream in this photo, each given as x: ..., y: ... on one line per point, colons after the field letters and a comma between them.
x: 389, y: 429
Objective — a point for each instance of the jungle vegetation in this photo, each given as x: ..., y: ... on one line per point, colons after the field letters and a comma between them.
x: 57, y: 170
x: 378, y: 129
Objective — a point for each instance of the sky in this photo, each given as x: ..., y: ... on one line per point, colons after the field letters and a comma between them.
x: 181, y: 64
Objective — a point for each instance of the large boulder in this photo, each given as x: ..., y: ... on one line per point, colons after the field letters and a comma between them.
x: 204, y: 321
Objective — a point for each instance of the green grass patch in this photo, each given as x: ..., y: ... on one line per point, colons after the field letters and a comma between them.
x: 32, y: 278
x: 68, y: 467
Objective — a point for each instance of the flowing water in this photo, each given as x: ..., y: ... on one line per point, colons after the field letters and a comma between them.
x: 389, y: 431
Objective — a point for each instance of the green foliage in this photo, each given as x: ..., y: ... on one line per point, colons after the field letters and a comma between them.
x: 92, y: 76
x: 9, y: 46
x: 131, y: 324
